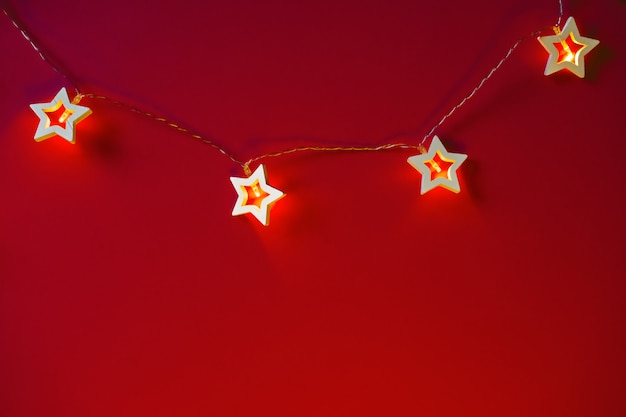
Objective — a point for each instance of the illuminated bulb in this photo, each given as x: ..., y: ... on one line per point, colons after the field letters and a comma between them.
x: 570, y: 56
x: 64, y: 116
x: 67, y: 113
x: 255, y: 189
x: 435, y: 166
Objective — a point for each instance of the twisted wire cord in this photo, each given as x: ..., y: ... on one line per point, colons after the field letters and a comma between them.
x: 169, y: 124
x: 39, y: 51
x: 245, y: 165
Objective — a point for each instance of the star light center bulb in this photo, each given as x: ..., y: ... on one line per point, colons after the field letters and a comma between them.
x: 255, y: 194
x: 58, y: 115
x: 568, y: 50
x: 67, y: 113
x: 439, y: 166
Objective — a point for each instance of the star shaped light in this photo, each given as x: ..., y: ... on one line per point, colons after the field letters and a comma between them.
x: 427, y: 164
x: 71, y: 116
x: 255, y: 195
x: 567, y: 49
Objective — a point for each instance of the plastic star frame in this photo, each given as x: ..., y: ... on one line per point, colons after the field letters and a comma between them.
x: 73, y: 114
x: 424, y: 162
x: 256, y: 183
x: 574, y: 60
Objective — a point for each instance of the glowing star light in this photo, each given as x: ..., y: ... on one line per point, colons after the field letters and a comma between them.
x: 254, y: 195
x: 567, y: 49
x: 72, y: 114
x: 430, y: 163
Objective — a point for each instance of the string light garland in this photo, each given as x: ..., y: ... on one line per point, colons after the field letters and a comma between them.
x: 437, y: 166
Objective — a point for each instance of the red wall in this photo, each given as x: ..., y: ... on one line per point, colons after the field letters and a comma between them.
x: 128, y: 289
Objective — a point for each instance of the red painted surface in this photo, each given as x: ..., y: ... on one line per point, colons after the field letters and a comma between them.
x: 127, y: 289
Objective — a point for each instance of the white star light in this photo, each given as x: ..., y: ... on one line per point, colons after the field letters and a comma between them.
x: 426, y: 161
x: 73, y: 113
x: 264, y: 195
x: 573, y: 60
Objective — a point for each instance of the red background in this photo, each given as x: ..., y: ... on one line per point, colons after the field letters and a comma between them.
x: 127, y: 289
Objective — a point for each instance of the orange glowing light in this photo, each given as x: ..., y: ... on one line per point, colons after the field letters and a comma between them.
x: 254, y: 195
x: 435, y: 166
x: 567, y: 53
x: 569, y: 50
x: 255, y: 189
x: 439, y: 166
x: 67, y: 113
